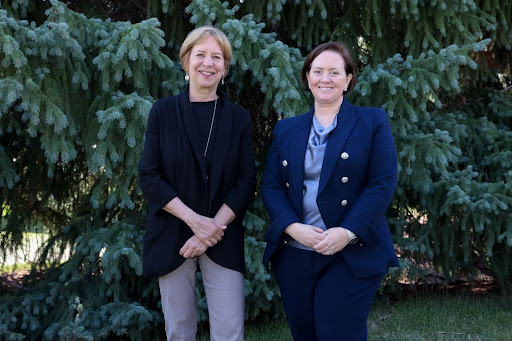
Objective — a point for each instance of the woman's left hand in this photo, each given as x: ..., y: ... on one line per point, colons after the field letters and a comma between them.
x: 336, y: 238
x: 194, y: 247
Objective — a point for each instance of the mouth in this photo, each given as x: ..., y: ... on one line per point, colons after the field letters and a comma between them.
x: 324, y: 88
x: 206, y: 73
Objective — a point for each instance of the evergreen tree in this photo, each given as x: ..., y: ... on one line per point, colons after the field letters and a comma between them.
x: 76, y: 86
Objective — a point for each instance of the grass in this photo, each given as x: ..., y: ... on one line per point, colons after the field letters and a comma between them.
x: 484, y: 318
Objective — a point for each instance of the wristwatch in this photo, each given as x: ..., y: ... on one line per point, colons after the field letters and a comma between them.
x: 352, y: 238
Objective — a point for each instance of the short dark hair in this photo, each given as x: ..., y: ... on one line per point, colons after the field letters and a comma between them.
x: 337, y: 47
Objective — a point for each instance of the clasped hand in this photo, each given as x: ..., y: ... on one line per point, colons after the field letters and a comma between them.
x: 207, y: 232
x: 207, y: 229
x: 194, y: 247
x: 325, y: 242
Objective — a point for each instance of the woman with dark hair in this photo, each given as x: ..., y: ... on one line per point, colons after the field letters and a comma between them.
x: 329, y: 178
x: 198, y: 175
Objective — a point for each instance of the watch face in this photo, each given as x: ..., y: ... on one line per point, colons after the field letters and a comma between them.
x: 353, y: 240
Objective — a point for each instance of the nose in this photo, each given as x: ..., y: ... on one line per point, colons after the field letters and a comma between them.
x: 325, y: 77
x: 207, y: 61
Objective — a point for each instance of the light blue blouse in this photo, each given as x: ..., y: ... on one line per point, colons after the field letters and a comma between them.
x: 313, y: 161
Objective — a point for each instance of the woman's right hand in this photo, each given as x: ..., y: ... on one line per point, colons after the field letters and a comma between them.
x: 206, y: 229
x: 307, y: 235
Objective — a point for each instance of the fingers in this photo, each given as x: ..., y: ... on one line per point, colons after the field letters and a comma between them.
x: 319, y: 230
x: 208, y: 230
x: 212, y: 239
x: 331, y: 244
x: 324, y: 247
x: 194, y: 247
x: 307, y: 235
x: 313, y: 235
x: 183, y: 249
x: 186, y: 251
x: 191, y: 251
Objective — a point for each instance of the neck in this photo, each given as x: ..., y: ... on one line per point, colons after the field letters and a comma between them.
x: 325, y: 113
x: 203, y: 95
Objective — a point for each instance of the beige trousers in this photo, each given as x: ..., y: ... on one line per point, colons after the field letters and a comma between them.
x: 224, y: 289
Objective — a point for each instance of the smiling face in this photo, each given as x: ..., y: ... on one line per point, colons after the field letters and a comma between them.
x: 327, y: 78
x: 206, y: 65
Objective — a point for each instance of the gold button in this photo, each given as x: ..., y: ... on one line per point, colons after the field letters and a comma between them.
x: 344, y: 179
x: 344, y: 203
x: 344, y: 155
x: 285, y: 163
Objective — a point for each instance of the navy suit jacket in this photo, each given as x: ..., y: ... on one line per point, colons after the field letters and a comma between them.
x: 173, y: 165
x: 357, y: 183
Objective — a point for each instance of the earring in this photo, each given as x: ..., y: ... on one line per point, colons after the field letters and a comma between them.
x: 187, y: 78
x: 345, y: 89
x: 222, y: 81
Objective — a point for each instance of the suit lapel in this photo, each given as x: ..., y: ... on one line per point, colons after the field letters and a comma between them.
x: 191, y: 128
x: 223, y: 141
x: 298, y: 145
x: 346, y: 121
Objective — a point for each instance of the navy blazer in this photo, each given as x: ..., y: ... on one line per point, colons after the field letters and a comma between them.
x: 173, y: 165
x: 357, y: 183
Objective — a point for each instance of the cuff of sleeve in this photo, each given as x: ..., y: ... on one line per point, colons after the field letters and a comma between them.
x: 277, y: 228
x: 237, y: 206
x: 350, y: 234
x: 362, y: 229
x: 162, y: 201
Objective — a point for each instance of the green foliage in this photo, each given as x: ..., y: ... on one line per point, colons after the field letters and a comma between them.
x: 75, y: 93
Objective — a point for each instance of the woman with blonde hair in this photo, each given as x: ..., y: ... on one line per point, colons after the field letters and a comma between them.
x: 198, y: 175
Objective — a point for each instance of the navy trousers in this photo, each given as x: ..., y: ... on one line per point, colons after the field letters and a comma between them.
x: 322, y: 300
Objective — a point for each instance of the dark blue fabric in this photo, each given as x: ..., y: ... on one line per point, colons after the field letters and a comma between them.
x: 322, y: 299
x: 360, y: 148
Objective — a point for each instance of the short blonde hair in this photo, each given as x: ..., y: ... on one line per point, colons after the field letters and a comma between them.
x: 198, y: 35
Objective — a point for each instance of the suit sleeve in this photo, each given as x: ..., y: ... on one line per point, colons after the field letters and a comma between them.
x: 381, y: 179
x: 241, y: 194
x: 156, y: 190
x: 274, y: 194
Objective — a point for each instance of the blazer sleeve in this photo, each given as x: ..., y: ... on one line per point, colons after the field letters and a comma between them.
x: 275, y: 193
x: 151, y: 180
x: 381, y: 180
x: 241, y: 194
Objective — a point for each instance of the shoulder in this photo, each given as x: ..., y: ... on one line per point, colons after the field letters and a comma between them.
x: 238, y: 110
x: 286, y: 125
x: 371, y: 117
x: 165, y: 103
x: 163, y: 108
x: 370, y: 113
x: 239, y: 116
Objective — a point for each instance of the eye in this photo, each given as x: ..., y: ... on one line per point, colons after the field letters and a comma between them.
x: 334, y: 73
x: 217, y: 57
x: 317, y: 72
x: 200, y: 55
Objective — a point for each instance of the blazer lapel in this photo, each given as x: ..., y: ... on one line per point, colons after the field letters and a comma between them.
x: 298, y: 145
x: 191, y: 128
x: 223, y: 140
x: 346, y: 121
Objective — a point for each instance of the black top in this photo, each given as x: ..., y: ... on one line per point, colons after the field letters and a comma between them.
x: 203, y: 113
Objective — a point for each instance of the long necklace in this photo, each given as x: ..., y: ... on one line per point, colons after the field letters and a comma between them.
x: 211, y: 126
